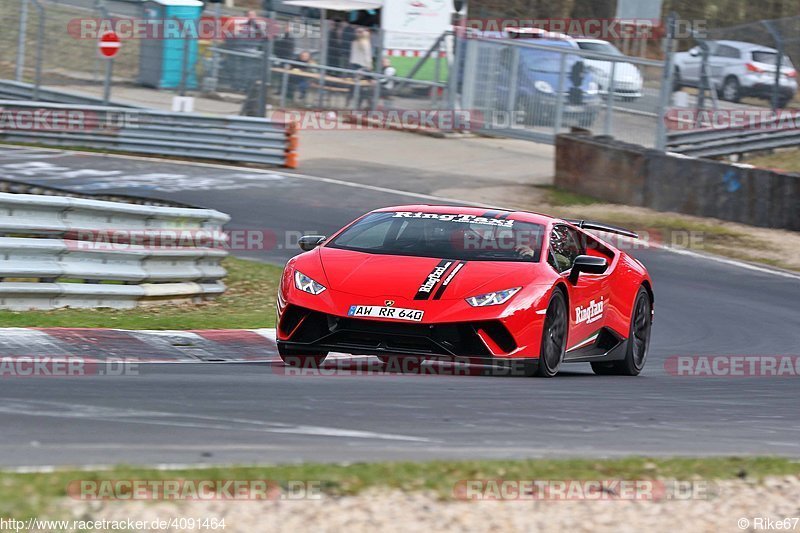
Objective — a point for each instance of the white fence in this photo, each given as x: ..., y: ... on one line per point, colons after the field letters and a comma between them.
x: 61, y: 251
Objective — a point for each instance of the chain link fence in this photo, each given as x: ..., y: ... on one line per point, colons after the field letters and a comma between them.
x: 510, y: 87
x: 535, y: 91
x: 51, y: 47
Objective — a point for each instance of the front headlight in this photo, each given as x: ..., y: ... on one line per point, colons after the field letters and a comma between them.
x: 492, y: 298
x: 543, y: 86
x: 306, y: 284
x: 592, y: 88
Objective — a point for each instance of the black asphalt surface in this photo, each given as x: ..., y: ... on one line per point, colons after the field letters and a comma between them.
x: 242, y: 413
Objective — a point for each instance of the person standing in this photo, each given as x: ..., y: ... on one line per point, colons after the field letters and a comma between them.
x: 336, y: 45
x: 300, y: 83
x: 361, y: 51
x: 360, y: 60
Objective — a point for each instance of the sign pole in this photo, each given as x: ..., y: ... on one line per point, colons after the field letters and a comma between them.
x: 107, y: 81
x: 109, y: 46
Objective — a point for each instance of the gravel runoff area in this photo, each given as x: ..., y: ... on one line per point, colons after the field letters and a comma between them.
x: 726, y: 506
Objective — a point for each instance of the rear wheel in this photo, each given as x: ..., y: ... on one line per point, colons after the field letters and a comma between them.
x: 638, y: 341
x: 554, y: 336
x: 301, y: 358
x: 731, y: 90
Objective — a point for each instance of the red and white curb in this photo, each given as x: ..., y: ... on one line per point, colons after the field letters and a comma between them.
x: 143, y: 346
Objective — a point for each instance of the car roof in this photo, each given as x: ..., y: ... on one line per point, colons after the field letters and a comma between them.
x: 566, y: 41
x: 742, y: 45
x: 522, y: 216
x: 589, y: 40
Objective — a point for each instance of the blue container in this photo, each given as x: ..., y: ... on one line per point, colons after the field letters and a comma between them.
x: 161, y: 59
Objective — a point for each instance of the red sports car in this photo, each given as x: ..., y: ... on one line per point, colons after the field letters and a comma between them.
x: 509, y: 288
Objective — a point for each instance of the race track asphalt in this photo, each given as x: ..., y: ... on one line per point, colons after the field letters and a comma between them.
x: 246, y: 413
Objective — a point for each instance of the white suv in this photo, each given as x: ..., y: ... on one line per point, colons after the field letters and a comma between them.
x: 738, y: 69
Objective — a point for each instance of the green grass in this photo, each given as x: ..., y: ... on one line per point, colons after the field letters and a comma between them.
x: 787, y: 160
x: 24, y: 495
x: 426, y: 73
x: 248, y: 302
x: 563, y: 198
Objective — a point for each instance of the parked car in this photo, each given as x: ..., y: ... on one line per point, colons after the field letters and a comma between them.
x: 538, y: 79
x: 627, y: 78
x: 738, y: 69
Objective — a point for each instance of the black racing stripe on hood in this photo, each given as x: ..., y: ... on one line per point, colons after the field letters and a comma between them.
x: 433, y: 279
x: 448, y: 278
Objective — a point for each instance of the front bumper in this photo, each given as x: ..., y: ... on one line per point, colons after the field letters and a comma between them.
x: 301, y: 329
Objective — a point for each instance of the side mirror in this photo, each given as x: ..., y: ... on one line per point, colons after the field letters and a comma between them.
x: 694, y: 52
x: 588, y: 264
x: 309, y: 242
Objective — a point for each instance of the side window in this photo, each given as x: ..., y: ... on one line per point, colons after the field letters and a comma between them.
x: 565, y: 246
x: 368, y: 238
x: 726, y: 51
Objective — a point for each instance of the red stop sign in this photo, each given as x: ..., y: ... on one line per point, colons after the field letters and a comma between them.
x: 109, y: 44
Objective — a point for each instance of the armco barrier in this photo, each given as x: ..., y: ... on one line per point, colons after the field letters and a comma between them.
x: 766, y: 135
x: 221, y: 138
x: 18, y: 90
x: 629, y: 174
x: 55, y: 252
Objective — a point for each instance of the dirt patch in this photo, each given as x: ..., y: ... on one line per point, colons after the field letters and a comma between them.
x: 773, y: 247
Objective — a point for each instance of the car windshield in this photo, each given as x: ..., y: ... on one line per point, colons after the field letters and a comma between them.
x: 454, y: 236
x: 542, y: 61
x: 771, y: 58
x: 603, y: 48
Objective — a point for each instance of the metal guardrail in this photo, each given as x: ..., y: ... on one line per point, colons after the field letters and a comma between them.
x: 21, y: 187
x: 17, y: 90
x: 140, y: 131
x: 730, y: 141
x: 59, y: 251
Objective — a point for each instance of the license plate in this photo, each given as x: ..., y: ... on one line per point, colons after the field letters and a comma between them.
x: 391, y: 313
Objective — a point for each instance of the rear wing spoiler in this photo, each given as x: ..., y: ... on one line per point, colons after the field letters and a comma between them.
x: 597, y: 226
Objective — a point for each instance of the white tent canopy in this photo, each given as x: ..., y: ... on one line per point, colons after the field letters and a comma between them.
x: 337, y: 5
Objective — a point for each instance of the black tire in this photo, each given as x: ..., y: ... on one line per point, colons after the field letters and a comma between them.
x: 301, y: 359
x: 676, y: 80
x: 731, y: 90
x: 638, y: 341
x: 554, y: 336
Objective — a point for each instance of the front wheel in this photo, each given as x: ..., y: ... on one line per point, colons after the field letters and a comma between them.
x: 301, y: 358
x: 638, y: 341
x: 554, y: 336
x: 677, y: 85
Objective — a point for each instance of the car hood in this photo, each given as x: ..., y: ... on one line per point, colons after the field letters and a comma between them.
x: 377, y: 275
x: 622, y: 71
